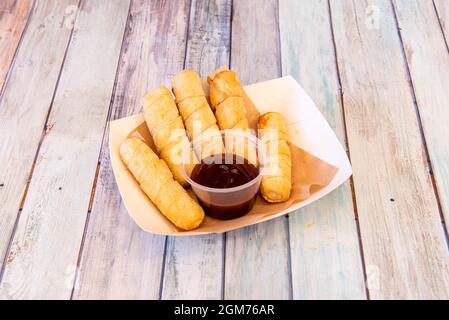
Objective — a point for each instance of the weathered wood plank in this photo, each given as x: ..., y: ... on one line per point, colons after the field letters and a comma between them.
x: 428, y: 63
x: 13, y: 18
x: 325, y: 256
x: 45, y: 249
x: 119, y: 260
x: 209, y: 35
x: 193, y: 268
x: 257, y: 263
x: 403, y: 242
x: 442, y: 8
x: 24, y: 105
x: 197, y: 273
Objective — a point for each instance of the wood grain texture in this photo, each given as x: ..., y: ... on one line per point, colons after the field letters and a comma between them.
x: 428, y: 63
x: 25, y: 103
x: 120, y: 260
x: 44, y: 253
x: 209, y: 35
x: 255, y: 53
x: 325, y: 256
x: 403, y: 243
x: 194, y: 266
x: 442, y: 8
x: 257, y: 263
x: 13, y: 18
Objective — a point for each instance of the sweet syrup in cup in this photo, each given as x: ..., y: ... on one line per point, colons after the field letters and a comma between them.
x: 227, y: 184
x: 226, y: 172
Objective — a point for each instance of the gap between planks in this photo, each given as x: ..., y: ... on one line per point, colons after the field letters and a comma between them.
x: 13, y: 60
x: 164, y: 258
x: 206, y: 49
x: 265, y: 245
x: 441, y: 23
x: 345, y: 130
x: 286, y: 218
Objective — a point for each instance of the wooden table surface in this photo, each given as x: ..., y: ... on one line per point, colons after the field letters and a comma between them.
x: 378, y: 71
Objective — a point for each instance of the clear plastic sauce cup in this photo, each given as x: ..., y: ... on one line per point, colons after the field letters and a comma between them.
x: 229, y: 203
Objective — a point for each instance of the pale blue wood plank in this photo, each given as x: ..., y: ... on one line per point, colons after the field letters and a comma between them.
x: 194, y: 266
x: 403, y: 244
x: 257, y: 258
x: 326, y: 260
x: 428, y: 62
x: 49, y: 233
x: 119, y: 260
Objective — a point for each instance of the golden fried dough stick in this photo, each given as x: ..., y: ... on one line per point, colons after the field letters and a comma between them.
x: 157, y: 182
x: 196, y: 113
x: 168, y: 132
x: 224, y: 84
x: 226, y: 96
x: 277, y: 179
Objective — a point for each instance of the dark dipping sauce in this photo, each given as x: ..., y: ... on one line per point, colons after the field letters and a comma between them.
x: 222, y: 172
